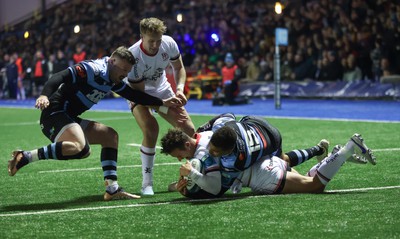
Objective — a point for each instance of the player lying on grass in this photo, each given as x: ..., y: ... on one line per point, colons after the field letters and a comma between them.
x: 270, y: 175
x: 256, y: 138
x: 68, y: 94
x: 181, y: 146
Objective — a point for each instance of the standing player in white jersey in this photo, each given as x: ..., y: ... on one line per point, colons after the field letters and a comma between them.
x: 153, y: 53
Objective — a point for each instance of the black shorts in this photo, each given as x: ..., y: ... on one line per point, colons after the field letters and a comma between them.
x: 52, y: 123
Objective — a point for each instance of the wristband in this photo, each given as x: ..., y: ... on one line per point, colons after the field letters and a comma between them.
x: 180, y: 87
x: 163, y: 109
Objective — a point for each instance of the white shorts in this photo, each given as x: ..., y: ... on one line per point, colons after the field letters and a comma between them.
x: 164, y: 94
x: 266, y: 176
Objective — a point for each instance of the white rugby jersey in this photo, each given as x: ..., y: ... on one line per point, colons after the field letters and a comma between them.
x: 151, y: 68
x: 202, y: 142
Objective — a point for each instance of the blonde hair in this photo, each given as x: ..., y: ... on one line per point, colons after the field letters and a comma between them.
x: 152, y: 25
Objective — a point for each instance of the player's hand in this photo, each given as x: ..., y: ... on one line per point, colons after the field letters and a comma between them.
x: 181, y: 186
x: 181, y: 96
x: 172, y: 102
x: 182, y: 182
x: 236, y: 186
x: 185, y: 169
x: 42, y: 102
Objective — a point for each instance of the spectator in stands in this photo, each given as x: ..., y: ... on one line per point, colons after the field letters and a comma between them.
x: 376, y: 56
x: 303, y: 68
x: 60, y: 63
x: 80, y: 53
x: 245, y: 28
x: 331, y: 68
x: 2, y: 74
x: 12, y: 76
x: 287, y: 66
x: 231, y: 74
x: 21, y: 76
x: 39, y: 72
x: 253, y: 69
x: 266, y: 71
x: 351, y: 71
x: 50, y: 65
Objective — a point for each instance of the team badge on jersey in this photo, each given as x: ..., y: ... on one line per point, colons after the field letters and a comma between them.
x: 80, y: 71
x: 165, y: 56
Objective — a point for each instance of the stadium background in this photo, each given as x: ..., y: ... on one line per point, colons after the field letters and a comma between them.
x: 64, y: 200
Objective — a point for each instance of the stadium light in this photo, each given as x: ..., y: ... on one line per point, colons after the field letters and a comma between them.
x: 77, y: 29
x: 215, y: 37
x: 26, y: 34
x: 179, y: 17
x: 278, y: 8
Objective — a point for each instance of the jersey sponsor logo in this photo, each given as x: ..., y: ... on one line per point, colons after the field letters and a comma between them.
x: 95, y: 96
x: 80, y: 71
x: 270, y: 166
x: 164, y: 56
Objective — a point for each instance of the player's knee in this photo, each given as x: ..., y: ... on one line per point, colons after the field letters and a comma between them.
x: 83, y: 151
x: 112, y: 136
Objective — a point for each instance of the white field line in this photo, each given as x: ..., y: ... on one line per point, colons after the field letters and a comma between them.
x: 159, y: 164
x: 174, y: 202
x: 37, y: 121
x: 99, y: 168
x: 212, y: 115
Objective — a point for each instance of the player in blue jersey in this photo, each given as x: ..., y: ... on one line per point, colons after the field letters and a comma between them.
x: 254, y: 138
x: 269, y: 175
x: 236, y: 147
x: 71, y: 92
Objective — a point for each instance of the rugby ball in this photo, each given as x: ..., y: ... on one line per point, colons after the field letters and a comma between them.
x: 198, y: 165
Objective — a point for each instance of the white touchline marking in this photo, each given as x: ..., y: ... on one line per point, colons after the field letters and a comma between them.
x: 99, y: 168
x: 159, y: 164
x: 212, y: 115
x: 382, y: 150
x: 374, y: 150
x: 37, y: 121
x: 175, y: 202
x: 138, y: 145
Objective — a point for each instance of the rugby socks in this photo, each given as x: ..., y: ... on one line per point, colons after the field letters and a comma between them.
x: 327, y: 168
x: 108, y: 160
x: 51, y: 151
x: 299, y: 156
x: 147, y: 156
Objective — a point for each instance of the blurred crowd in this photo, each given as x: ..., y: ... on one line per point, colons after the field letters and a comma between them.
x: 328, y: 40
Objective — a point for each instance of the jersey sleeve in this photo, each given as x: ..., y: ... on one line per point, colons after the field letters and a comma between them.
x: 210, y: 182
x: 136, y: 96
x: 55, y: 81
x: 216, y: 122
x: 174, y: 52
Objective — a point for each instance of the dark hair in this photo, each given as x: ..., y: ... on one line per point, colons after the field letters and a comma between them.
x: 125, y: 54
x: 224, y: 138
x: 173, y: 139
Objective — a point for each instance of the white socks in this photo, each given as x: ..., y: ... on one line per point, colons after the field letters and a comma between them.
x: 147, y: 155
x: 327, y: 168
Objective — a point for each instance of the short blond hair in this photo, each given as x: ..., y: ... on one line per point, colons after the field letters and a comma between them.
x: 152, y: 25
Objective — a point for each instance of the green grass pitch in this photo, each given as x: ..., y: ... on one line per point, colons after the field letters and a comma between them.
x: 63, y: 199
